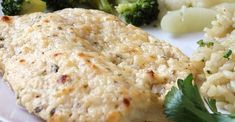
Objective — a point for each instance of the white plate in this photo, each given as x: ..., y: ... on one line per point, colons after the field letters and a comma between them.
x: 11, y: 112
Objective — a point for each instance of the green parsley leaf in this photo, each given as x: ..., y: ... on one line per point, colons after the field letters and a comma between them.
x: 228, y: 53
x: 201, y: 43
x: 185, y: 104
x: 212, y: 104
x: 210, y: 44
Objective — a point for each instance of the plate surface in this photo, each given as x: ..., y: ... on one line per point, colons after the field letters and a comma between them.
x: 11, y: 112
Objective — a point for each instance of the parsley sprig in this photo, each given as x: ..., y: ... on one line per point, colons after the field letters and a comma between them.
x: 228, y: 53
x: 185, y: 104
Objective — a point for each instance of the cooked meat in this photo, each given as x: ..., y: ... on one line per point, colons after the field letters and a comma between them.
x: 87, y: 66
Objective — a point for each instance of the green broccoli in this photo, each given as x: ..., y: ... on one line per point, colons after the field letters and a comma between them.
x: 60, y: 4
x: 103, y: 5
x: 137, y: 12
x: 11, y: 7
x: 17, y: 7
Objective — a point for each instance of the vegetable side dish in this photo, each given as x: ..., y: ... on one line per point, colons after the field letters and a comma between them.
x: 176, y: 16
x: 136, y: 12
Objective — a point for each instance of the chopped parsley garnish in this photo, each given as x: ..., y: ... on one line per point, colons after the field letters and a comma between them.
x: 228, y: 53
x: 201, y: 43
x: 185, y: 104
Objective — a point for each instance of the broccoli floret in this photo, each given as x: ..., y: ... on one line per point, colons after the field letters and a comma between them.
x: 137, y: 12
x: 11, y: 7
x: 60, y: 4
x: 103, y: 5
x: 17, y: 7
